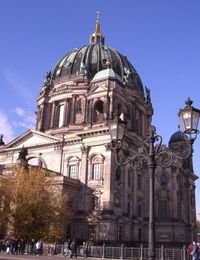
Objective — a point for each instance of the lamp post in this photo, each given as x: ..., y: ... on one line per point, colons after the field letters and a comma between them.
x: 189, y: 117
x: 148, y: 155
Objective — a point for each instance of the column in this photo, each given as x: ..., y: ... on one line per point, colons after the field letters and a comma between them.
x: 52, y: 115
x: 65, y: 112
x: 73, y: 109
x: 84, y: 175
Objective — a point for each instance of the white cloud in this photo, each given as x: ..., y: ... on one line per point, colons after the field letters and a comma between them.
x: 20, y: 86
x: 26, y: 119
x: 19, y: 111
x: 6, y: 128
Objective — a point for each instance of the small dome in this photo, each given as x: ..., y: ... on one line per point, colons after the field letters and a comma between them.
x: 178, y: 137
x: 106, y: 74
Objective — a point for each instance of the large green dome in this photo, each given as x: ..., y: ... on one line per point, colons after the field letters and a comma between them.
x: 86, y: 61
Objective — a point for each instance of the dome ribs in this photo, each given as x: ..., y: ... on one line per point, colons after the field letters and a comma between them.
x: 77, y: 61
x: 92, y: 58
x: 89, y: 54
x: 117, y: 64
x: 85, y: 58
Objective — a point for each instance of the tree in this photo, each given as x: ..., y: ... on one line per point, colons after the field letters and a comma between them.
x: 37, y: 207
x: 5, y: 200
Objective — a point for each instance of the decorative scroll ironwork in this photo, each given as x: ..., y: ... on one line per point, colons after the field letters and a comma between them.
x: 151, y: 149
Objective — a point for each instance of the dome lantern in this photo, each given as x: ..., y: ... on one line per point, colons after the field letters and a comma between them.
x: 97, y: 37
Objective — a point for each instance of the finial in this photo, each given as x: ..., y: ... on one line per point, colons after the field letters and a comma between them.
x: 98, y: 15
x: 97, y: 37
x: 189, y: 102
x: 179, y: 128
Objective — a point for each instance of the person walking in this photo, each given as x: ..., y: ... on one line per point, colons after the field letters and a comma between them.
x: 195, y: 251
x: 85, y: 249
x: 68, y: 248
x: 189, y: 249
x: 73, y: 249
x: 38, y: 247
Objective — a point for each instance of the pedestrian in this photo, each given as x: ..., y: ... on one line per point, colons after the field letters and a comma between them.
x: 199, y: 249
x: 189, y: 249
x: 85, y: 249
x: 38, y: 247
x: 68, y: 248
x: 8, y: 244
x: 195, y: 251
x: 73, y: 249
x: 31, y: 246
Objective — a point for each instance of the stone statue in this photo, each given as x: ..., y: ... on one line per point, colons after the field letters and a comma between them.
x: 83, y: 69
x: 47, y: 79
x: 1, y: 139
x: 148, y: 94
x: 127, y: 73
x: 22, y: 154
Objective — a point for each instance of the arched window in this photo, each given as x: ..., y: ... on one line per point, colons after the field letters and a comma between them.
x: 96, y: 167
x: 72, y: 168
x: 73, y: 171
x: 98, y: 112
x: 96, y: 171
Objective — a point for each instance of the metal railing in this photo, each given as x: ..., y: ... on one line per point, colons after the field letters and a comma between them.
x: 122, y: 252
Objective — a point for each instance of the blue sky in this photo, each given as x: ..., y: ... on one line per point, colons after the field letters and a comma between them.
x: 161, y: 39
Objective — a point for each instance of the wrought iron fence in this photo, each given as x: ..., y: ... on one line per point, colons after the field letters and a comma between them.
x: 122, y: 252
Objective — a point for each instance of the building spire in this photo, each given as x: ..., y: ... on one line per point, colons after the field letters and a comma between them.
x: 97, y: 37
x: 97, y: 30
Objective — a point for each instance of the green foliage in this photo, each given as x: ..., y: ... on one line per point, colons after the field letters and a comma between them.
x: 38, y: 209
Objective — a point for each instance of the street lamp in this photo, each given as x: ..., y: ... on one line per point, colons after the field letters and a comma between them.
x: 148, y: 156
x: 189, y: 117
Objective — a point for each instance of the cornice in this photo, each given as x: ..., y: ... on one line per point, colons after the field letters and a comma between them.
x: 57, y: 145
x: 94, y: 132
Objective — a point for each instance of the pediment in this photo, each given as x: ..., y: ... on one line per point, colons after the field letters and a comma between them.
x: 32, y: 138
x: 96, y: 88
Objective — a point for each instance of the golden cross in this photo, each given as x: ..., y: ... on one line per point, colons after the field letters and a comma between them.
x: 98, y: 15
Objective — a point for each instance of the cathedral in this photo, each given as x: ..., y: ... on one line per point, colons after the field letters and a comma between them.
x: 78, y: 99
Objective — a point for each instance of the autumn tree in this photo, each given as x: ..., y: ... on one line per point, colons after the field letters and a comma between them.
x: 37, y: 207
x: 5, y: 200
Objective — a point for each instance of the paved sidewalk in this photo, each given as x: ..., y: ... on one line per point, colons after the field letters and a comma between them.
x: 4, y: 256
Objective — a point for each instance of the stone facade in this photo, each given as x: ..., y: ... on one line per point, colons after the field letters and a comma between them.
x: 85, y: 91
